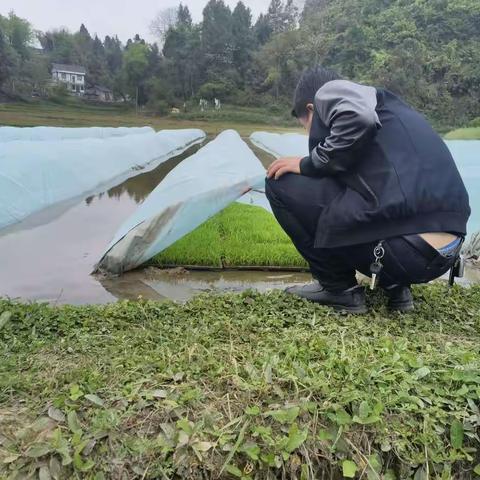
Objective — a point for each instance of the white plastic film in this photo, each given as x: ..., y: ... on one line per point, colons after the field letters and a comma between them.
x: 37, y: 175
x: 198, y: 188
x: 10, y: 134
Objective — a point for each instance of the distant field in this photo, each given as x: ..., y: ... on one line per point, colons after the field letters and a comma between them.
x: 244, y: 120
x: 471, y: 133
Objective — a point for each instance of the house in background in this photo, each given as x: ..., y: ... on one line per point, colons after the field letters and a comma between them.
x: 73, y: 76
x: 98, y: 93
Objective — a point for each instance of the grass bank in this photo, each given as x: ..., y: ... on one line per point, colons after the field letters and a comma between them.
x: 469, y: 133
x: 240, y: 235
x: 80, y: 114
x: 241, y: 386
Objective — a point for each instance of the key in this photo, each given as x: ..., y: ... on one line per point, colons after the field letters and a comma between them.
x: 375, y: 269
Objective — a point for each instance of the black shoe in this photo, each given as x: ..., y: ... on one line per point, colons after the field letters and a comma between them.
x: 400, y: 299
x: 350, y: 301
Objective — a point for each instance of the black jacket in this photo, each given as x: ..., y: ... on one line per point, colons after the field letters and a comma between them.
x: 397, y: 175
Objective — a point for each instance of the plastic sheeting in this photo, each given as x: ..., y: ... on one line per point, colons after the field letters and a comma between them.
x: 256, y: 198
x: 467, y: 157
x: 198, y: 188
x: 281, y: 144
x: 37, y: 175
x: 465, y: 152
x: 10, y: 134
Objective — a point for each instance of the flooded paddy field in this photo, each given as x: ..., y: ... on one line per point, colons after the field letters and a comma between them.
x: 50, y: 256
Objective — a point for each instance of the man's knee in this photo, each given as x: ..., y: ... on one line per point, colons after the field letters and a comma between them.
x: 275, y: 190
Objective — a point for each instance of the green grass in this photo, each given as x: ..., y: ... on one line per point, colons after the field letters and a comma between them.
x: 241, y: 386
x: 240, y: 235
x: 79, y: 114
x: 469, y: 133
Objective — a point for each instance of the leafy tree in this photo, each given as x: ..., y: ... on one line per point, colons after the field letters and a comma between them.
x: 184, y: 18
x: 262, y: 30
x: 19, y: 34
x: 217, y: 38
x: 136, y: 64
x: 182, y: 52
x: 242, y: 38
x: 7, y: 58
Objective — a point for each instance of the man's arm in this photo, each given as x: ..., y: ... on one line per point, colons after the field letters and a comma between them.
x: 348, y: 109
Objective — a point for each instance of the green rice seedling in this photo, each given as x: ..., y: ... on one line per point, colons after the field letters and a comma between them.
x: 239, y: 236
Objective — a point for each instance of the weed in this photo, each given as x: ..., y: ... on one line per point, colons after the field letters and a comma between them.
x: 241, y: 386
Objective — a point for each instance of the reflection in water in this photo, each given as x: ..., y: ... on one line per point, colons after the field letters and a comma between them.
x: 155, y: 284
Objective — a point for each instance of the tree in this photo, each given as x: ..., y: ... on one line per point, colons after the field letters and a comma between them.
x: 163, y: 22
x: 7, y: 59
x: 19, y: 34
x: 184, y: 18
x: 136, y: 64
x: 217, y: 38
x: 281, y: 62
x: 313, y: 8
x: 242, y: 38
x: 262, y: 30
x: 183, y: 55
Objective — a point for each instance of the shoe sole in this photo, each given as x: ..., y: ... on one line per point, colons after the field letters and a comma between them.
x: 358, y: 310
x: 348, y: 310
x: 402, y: 308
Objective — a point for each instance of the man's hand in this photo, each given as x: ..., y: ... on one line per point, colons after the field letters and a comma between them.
x: 284, y: 165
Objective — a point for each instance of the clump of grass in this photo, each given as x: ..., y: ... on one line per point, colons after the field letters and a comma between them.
x: 240, y: 235
x: 241, y: 386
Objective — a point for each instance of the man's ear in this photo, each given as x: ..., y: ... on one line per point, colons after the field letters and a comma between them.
x: 310, y: 107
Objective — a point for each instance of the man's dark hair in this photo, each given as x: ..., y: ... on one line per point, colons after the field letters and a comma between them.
x: 309, y: 84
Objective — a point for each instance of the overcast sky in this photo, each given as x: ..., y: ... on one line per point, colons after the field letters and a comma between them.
x: 124, y: 18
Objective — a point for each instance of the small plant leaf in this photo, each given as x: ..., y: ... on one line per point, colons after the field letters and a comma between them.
x: 159, y: 394
x: 5, y: 318
x: 457, y: 434
x: 44, y: 473
x: 287, y: 415
x: 38, y: 450
x: 55, y: 468
x: 349, y: 468
x: 421, y: 373
x: 233, y: 470
x: 56, y: 414
x: 476, y: 470
x: 253, y: 411
x: 10, y: 458
x: 75, y: 392
x: 296, y: 438
x: 73, y: 422
x: 203, y: 446
x: 252, y: 450
x: 95, y: 399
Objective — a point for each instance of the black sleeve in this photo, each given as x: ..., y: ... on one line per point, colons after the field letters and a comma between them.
x: 349, y: 110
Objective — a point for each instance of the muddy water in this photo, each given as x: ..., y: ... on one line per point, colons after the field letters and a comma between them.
x: 49, y: 256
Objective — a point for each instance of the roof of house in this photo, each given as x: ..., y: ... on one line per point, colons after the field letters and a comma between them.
x: 68, y: 68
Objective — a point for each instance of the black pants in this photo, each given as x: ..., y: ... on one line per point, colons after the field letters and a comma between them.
x: 297, y: 202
